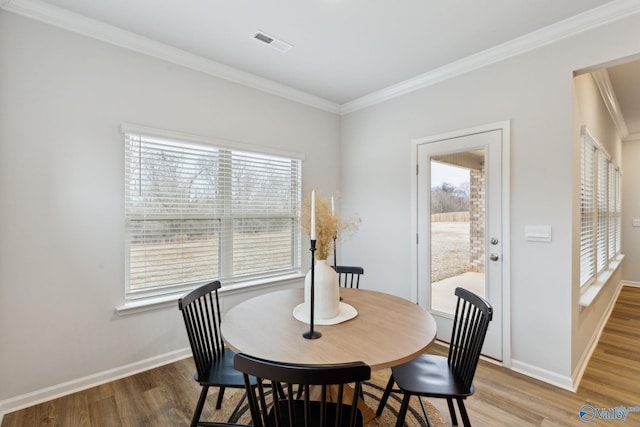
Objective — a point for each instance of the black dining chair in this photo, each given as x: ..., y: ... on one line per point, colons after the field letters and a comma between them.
x: 349, y: 276
x: 448, y: 377
x: 290, y: 411
x: 214, y: 363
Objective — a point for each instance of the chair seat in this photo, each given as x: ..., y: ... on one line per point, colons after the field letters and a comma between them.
x: 430, y: 375
x: 223, y: 374
x: 315, y: 410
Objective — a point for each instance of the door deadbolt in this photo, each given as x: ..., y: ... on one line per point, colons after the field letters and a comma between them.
x: 494, y: 241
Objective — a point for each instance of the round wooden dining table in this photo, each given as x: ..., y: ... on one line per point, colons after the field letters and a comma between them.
x: 387, y: 331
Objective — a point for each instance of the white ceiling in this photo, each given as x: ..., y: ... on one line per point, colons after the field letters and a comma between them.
x: 343, y: 50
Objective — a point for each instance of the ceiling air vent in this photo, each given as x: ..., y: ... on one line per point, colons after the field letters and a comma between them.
x: 272, y: 41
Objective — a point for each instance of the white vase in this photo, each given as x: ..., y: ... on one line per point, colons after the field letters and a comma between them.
x: 327, y: 291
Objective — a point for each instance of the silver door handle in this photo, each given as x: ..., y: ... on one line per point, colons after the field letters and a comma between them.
x: 494, y: 257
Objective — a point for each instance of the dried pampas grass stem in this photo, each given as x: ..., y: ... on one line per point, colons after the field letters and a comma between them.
x: 328, y: 225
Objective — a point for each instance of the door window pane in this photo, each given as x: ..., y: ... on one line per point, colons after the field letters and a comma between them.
x: 457, y: 227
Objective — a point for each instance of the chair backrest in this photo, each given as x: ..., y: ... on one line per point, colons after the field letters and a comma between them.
x: 201, y: 312
x: 292, y: 412
x: 349, y: 276
x: 470, y: 324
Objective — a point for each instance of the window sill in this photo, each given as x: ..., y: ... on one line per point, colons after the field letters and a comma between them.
x: 591, y: 292
x: 164, y: 301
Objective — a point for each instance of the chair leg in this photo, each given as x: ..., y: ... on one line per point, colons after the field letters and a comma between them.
x: 463, y: 413
x: 403, y: 410
x: 220, y: 397
x: 424, y: 412
x: 452, y: 412
x: 385, y: 395
x: 199, y: 406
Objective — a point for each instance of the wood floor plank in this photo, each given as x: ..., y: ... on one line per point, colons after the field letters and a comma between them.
x: 104, y: 412
x: 132, y: 409
x: 166, y: 396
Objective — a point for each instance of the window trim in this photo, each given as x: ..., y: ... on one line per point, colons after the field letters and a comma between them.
x: 220, y: 143
x: 142, y: 300
x: 170, y: 300
x: 602, y: 270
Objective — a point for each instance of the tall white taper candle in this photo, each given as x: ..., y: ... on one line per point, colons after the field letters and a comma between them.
x: 313, y: 215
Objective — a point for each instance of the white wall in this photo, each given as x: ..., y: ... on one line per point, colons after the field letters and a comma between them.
x: 590, y: 110
x: 63, y: 96
x: 630, y: 211
x: 535, y: 92
x: 62, y: 99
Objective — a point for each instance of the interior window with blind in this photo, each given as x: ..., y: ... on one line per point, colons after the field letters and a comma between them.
x: 600, y: 210
x: 197, y: 211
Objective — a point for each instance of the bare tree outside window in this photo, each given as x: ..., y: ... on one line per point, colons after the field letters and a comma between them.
x: 197, y: 212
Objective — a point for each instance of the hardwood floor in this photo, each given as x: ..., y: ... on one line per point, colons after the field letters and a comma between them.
x: 612, y: 379
x: 166, y: 396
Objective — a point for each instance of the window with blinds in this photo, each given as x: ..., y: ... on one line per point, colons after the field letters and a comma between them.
x: 613, y: 217
x: 618, y: 179
x: 587, y: 213
x: 199, y: 211
x: 599, y: 211
x: 603, y: 211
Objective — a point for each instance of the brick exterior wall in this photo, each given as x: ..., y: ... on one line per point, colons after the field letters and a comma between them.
x: 477, y: 214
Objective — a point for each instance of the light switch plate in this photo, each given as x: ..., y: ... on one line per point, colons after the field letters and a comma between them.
x: 636, y: 222
x: 537, y: 233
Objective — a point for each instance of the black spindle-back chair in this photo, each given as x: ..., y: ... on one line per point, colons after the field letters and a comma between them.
x: 214, y: 363
x: 349, y: 276
x: 290, y: 411
x: 451, y: 377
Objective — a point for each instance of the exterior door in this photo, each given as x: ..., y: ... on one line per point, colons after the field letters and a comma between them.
x: 460, y: 226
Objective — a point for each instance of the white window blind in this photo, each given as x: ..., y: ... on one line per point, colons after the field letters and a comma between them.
x: 618, y: 179
x: 197, y: 212
x: 599, y: 211
x: 603, y: 210
x: 613, y: 218
x: 587, y: 209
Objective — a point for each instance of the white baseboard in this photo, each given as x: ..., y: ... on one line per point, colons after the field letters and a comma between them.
x: 593, y: 343
x: 550, y: 377
x: 533, y: 372
x: 630, y: 283
x: 565, y: 382
x: 33, y: 398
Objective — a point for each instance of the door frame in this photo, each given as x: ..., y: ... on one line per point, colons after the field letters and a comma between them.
x: 505, y: 128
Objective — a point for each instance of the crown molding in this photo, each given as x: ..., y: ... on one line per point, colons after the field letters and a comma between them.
x: 632, y: 137
x: 70, y: 21
x: 583, y: 22
x: 53, y: 15
x: 603, y: 82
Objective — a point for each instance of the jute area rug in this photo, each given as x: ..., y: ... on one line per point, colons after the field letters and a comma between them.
x: 235, y: 409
